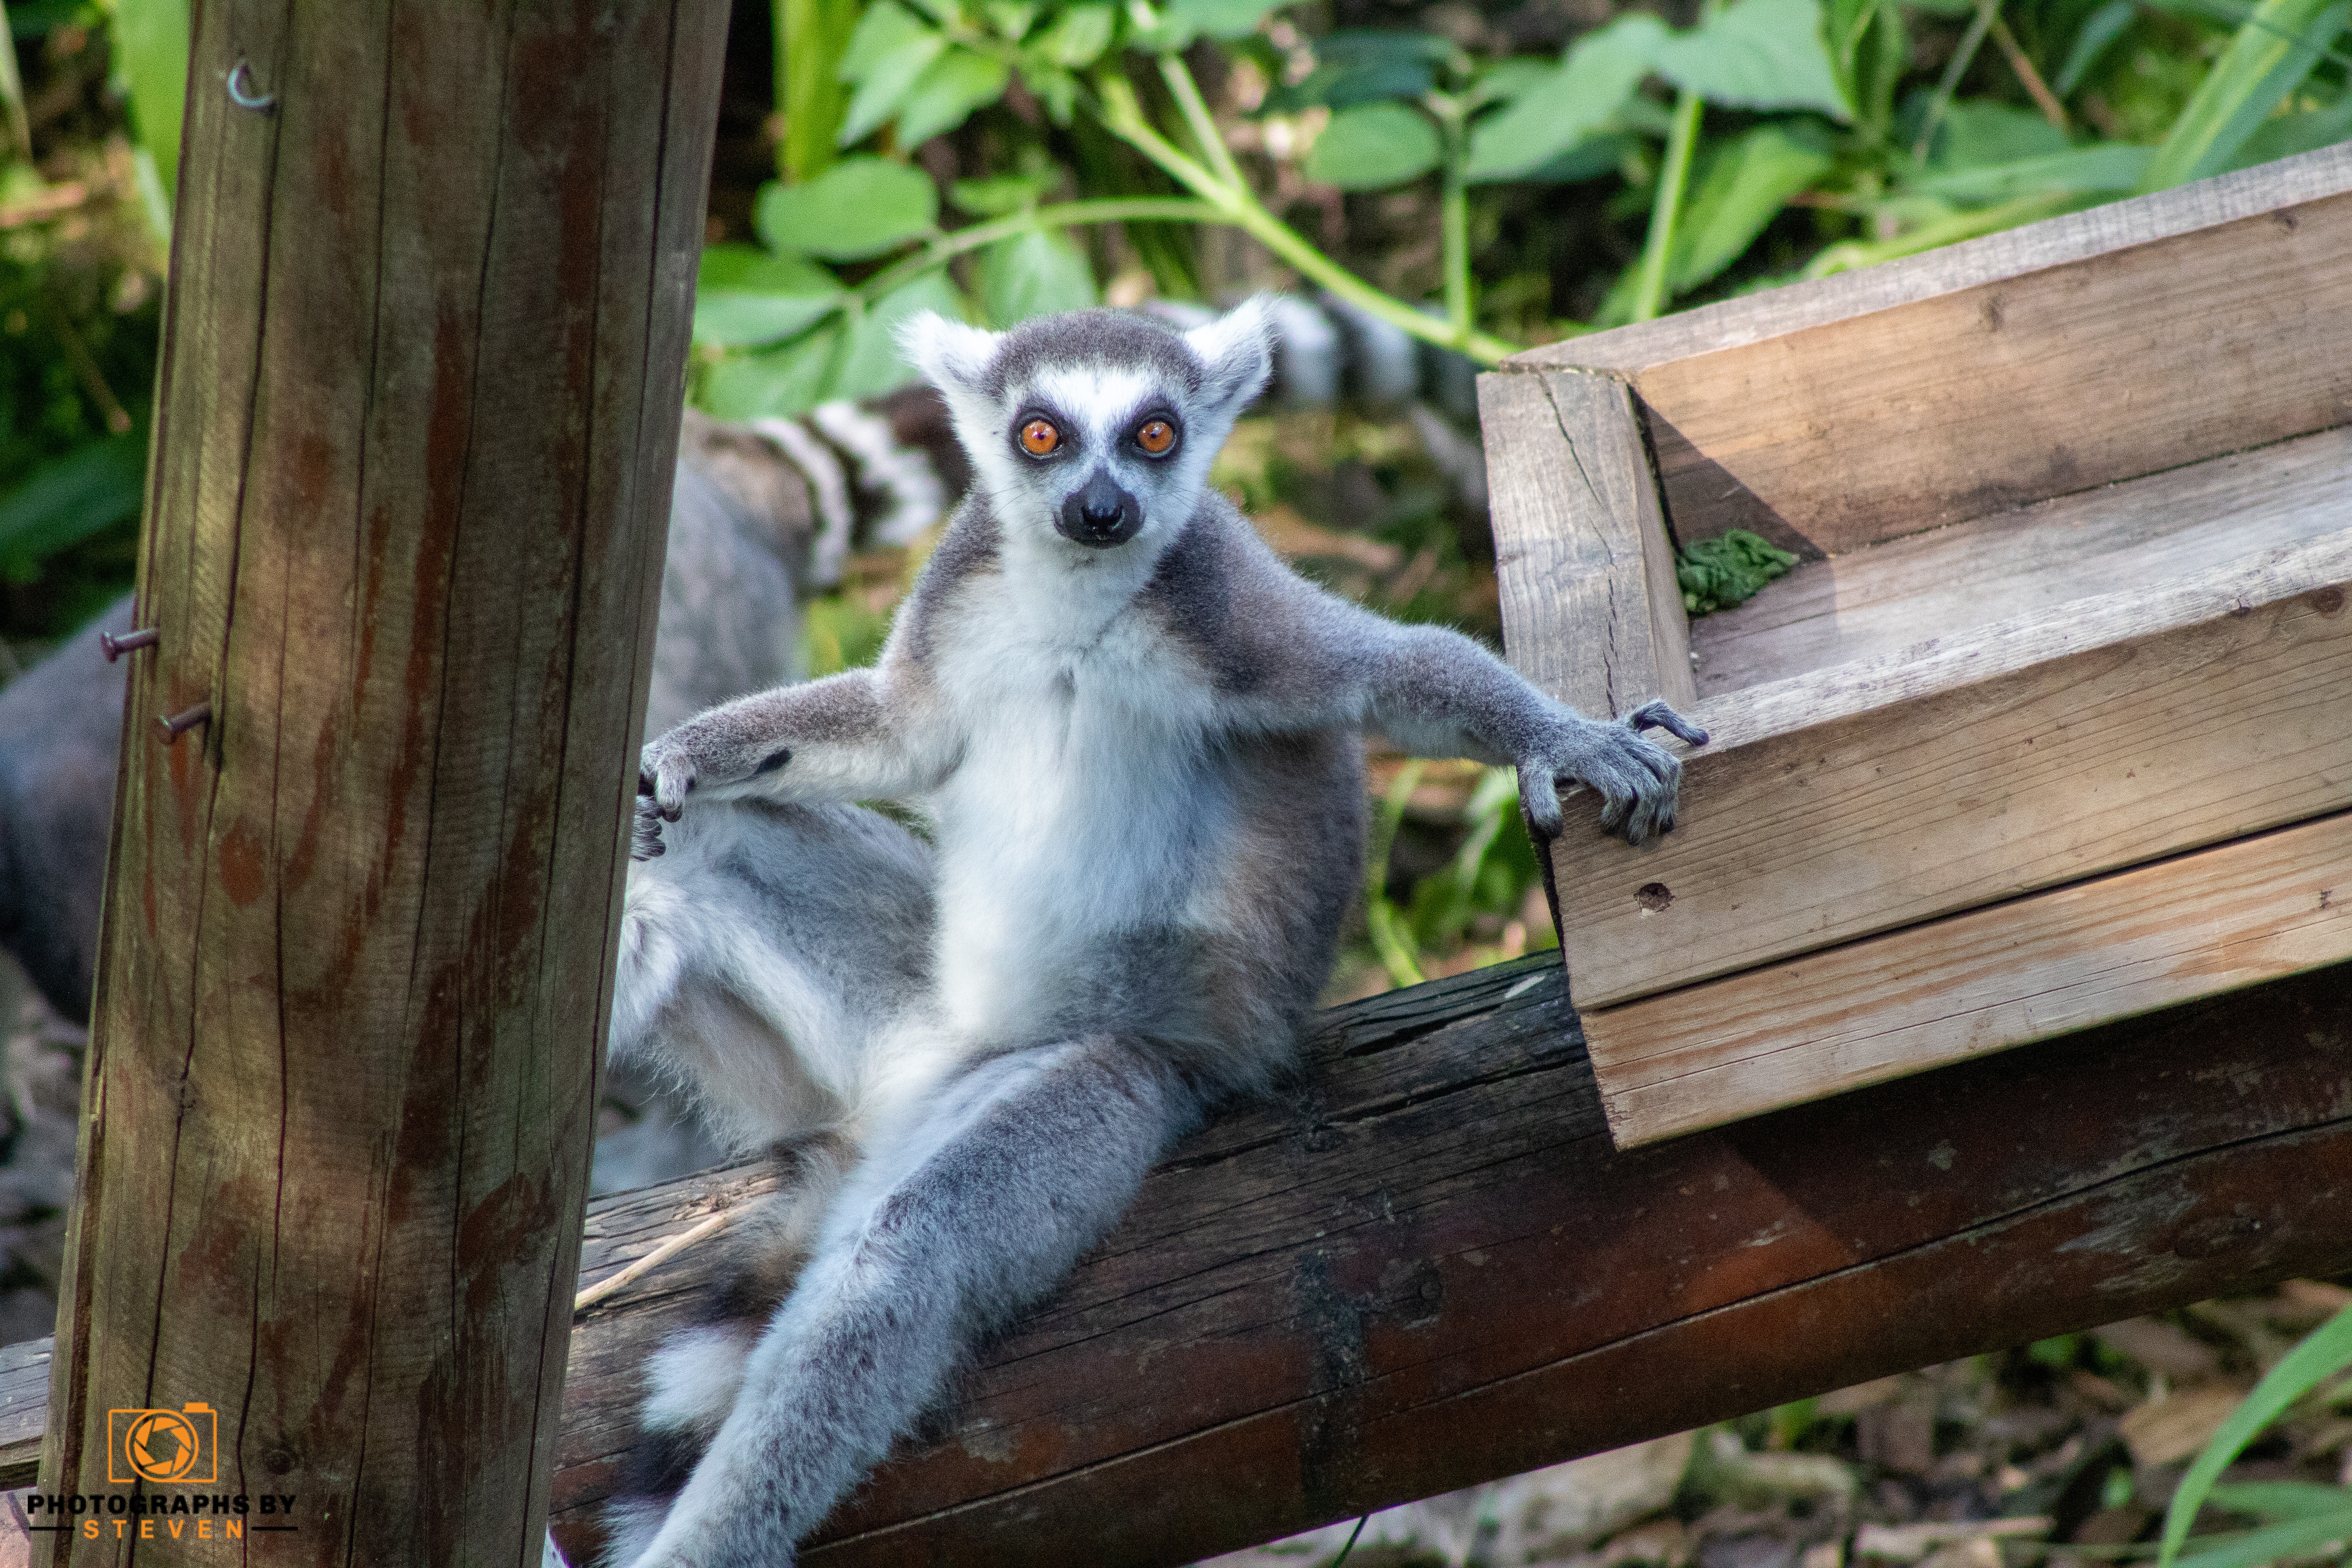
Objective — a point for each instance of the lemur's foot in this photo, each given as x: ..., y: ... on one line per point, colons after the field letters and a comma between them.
x: 1637, y: 779
x: 712, y: 749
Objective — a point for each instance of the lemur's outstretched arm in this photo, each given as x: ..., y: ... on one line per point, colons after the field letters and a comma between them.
x: 1290, y: 655
x: 1437, y: 693
x: 865, y: 734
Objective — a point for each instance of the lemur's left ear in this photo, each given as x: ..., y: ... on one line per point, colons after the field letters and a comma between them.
x: 1237, y: 350
x: 950, y: 354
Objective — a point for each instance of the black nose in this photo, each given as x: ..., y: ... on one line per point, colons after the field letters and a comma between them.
x: 1100, y: 514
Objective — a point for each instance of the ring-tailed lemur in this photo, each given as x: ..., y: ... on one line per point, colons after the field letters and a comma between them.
x: 1135, y: 733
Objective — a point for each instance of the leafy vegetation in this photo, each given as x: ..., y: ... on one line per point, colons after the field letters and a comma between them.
x: 1717, y: 574
x: 2294, y: 1518
x: 1477, y: 193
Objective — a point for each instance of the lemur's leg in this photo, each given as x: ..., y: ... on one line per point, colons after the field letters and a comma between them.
x: 975, y: 1209
x: 766, y: 953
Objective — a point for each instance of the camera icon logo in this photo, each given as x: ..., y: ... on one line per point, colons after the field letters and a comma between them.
x: 166, y: 1446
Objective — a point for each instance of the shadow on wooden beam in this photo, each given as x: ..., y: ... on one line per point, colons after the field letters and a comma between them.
x: 1427, y: 1267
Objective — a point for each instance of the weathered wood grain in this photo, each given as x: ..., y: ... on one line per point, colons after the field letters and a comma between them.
x: 2111, y: 947
x: 2101, y: 736
x: 2139, y: 536
x: 415, y: 426
x: 1426, y: 1267
x: 1590, y: 612
x: 24, y: 1409
x: 1751, y: 319
x: 2016, y: 390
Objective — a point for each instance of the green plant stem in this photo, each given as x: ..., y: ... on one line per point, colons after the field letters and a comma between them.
x: 1855, y: 253
x: 1062, y: 215
x: 1455, y: 212
x: 1988, y: 13
x: 1236, y: 205
x: 1389, y: 935
x: 1199, y: 121
x: 1666, y: 208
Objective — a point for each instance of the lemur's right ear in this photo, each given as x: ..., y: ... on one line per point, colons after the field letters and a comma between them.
x: 950, y: 354
x: 1237, y: 350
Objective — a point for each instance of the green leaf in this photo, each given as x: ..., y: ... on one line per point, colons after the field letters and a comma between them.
x: 2283, y: 1499
x: 870, y: 363
x: 1181, y: 21
x: 2105, y: 166
x: 1588, y: 160
x: 2326, y: 1353
x: 745, y: 295
x: 889, y: 53
x: 1757, y: 54
x: 1012, y: 18
x: 1080, y: 36
x: 1033, y: 274
x: 944, y: 96
x: 1372, y: 146
x: 998, y: 197
x: 1743, y: 187
x: 1054, y: 88
x: 1844, y: 25
x: 1507, y: 81
x: 2274, y: 1543
x: 70, y: 498
x: 2105, y: 25
x: 1593, y: 79
x: 1365, y: 67
x: 2285, y: 135
x: 776, y: 385
x: 809, y: 91
x: 1976, y: 133
x: 2268, y: 59
x: 859, y: 207
x: 150, y: 44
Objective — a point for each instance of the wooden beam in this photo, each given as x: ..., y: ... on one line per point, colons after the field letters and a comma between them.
x: 1938, y: 780
x: 2012, y: 392
x: 415, y: 424
x: 1425, y: 1266
x: 2111, y: 947
x: 1578, y: 532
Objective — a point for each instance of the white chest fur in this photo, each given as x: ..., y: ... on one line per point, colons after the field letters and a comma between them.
x: 1089, y: 804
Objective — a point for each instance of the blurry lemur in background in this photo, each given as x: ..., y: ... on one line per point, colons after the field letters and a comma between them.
x: 1135, y: 734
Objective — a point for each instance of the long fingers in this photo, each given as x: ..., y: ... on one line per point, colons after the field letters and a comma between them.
x: 1655, y: 715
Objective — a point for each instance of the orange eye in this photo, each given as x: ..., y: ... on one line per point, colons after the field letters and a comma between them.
x: 1039, y: 439
x: 1156, y: 437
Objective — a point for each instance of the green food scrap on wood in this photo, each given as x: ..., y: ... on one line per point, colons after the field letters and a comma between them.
x: 1717, y: 574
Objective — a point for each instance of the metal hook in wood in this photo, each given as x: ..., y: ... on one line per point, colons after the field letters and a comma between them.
x: 178, y: 724
x: 243, y: 92
x: 114, y: 647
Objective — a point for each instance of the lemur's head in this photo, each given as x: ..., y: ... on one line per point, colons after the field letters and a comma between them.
x: 1098, y: 425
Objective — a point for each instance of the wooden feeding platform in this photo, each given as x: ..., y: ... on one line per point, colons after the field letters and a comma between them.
x: 2052, y: 725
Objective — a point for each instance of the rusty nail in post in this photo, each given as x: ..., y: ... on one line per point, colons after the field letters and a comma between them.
x: 179, y: 724
x: 114, y: 647
x: 242, y: 92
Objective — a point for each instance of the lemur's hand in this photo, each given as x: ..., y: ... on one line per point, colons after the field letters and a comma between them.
x: 1636, y: 778
x: 714, y: 748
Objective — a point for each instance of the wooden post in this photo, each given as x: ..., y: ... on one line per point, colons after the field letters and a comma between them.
x: 415, y: 425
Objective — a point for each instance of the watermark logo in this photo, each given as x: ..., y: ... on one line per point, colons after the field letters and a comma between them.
x: 166, y: 1446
